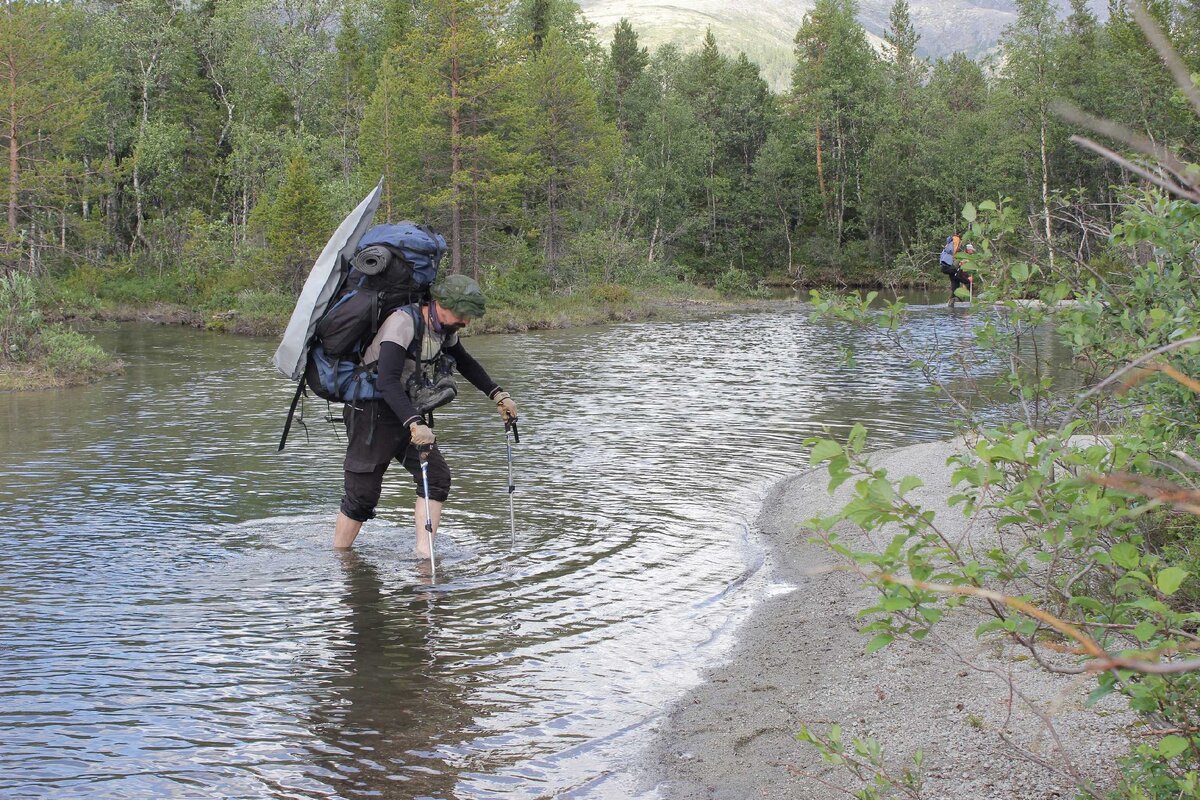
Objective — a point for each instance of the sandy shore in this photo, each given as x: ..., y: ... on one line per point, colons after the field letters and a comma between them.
x: 800, y: 660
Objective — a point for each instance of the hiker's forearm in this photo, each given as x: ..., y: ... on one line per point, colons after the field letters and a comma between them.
x: 391, y: 383
x: 472, y: 370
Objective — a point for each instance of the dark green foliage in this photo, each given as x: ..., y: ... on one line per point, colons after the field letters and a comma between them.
x: 507, y: 124
x: 626, y: 62
x: 294, y: 221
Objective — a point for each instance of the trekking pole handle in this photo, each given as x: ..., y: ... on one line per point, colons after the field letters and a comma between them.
x: 511, y: 424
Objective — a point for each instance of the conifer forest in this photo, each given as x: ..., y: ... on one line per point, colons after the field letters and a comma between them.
x: 202, y: 152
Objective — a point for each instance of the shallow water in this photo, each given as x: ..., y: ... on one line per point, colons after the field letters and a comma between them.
x: 174, y: 623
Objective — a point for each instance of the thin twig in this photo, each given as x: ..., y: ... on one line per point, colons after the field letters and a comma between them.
x: 1158, y: 39
x: 1126, y: 164
x: 1168, y: 731
x: 1104, y: 660
x: 1115, y: 130
x: 1119, y: 374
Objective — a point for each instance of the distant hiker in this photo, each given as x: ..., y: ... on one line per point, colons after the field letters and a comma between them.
x: 380, y: 430
x: 951, y: 265
x: 962, y: 277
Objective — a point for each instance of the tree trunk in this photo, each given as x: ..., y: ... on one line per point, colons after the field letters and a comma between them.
x: 821, y: 170
x: 455, y: 164
x: 387, y: 160
x: 14, y: 164
x: 140, y: 224
x: 787, y: 234
x: 110, y: 200
x: 34, y: 255
x: 85, y: 201
x: 138, y: 231
x: 552, y: 230
x: 712, y: 198
x: 476, y: 225
x: 1046, y: 190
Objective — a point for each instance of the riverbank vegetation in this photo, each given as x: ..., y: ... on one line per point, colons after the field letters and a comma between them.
x: 37, y: 355
x: 1092, y: 480
x: 194, y: 157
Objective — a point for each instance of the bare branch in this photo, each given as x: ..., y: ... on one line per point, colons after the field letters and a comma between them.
x: 1115, y: 130
x: 1133, y: 365
x: 1126, y: 164
x: 1158, y: 39
x: 1104, y: 661
x: 1160, y: 490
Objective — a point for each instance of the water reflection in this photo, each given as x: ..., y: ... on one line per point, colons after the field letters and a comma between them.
x: 387, y: 690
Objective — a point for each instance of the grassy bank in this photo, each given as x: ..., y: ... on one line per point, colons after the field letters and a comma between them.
x: 258, y: 313
x: 40, y: 354
x: 512, y: 306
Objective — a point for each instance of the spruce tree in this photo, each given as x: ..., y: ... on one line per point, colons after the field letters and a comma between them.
x: 570, y: 147
x: 430, y: 126
x: 295, y: 221
x: 627, y: 62
x: 44, y: 106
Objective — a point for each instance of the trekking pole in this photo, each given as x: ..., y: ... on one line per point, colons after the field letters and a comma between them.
x: 424, y: 456
x: 510, y: 426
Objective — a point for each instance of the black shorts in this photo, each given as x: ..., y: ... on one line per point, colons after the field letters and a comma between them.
x: 376, y: 437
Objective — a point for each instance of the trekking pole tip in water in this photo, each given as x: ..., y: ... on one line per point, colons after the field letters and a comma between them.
x: 423, y: 455
x: 510, y: 425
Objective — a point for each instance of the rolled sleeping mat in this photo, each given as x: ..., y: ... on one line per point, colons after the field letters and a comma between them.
x: 372, y: 260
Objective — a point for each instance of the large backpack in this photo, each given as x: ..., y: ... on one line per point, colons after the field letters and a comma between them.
x: 946, y: 260
x: 394, y: 265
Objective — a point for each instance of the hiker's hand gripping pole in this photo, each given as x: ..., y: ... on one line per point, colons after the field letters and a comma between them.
x: 506, y: 407
x: 423, y: 455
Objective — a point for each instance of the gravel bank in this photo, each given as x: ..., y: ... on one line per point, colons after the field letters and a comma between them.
x: 799, y: 659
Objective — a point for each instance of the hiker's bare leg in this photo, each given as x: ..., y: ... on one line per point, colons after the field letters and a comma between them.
x: 435, y: 516
x: 345, y: 530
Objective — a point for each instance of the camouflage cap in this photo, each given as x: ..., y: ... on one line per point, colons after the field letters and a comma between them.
x: 460, y: 294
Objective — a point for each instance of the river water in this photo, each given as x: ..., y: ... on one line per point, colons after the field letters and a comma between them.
x: 174, y: 623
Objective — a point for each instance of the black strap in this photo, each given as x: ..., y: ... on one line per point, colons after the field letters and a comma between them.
x: 287, y: 425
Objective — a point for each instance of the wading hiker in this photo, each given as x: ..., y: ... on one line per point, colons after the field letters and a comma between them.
x: 372, y: 331
x: 413, y: 338
x: 951, y: 265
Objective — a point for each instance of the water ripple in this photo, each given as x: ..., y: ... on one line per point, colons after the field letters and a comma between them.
x: 175, y: 623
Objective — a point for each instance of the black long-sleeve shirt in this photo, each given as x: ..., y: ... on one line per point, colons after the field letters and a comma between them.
x: 393, y: 354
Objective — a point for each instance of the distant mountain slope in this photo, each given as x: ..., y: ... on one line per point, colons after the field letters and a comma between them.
x: 764, y: 29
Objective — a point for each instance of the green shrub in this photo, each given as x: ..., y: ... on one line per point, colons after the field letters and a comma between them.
x: 518, y: 287
x: 610, y: 294
x: 734, y: 283
x: 606, y: 257
x: 1090, y: 545
x: 258, y: 302
x: 20, y: 318
x: 73, y: 355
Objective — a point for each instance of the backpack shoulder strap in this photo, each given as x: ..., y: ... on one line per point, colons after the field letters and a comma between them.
x: 414, y: 348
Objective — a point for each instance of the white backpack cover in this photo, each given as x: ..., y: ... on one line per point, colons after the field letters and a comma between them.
x: 320, y: 286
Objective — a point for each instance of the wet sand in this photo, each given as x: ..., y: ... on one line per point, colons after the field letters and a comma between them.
x: 800, y: 660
